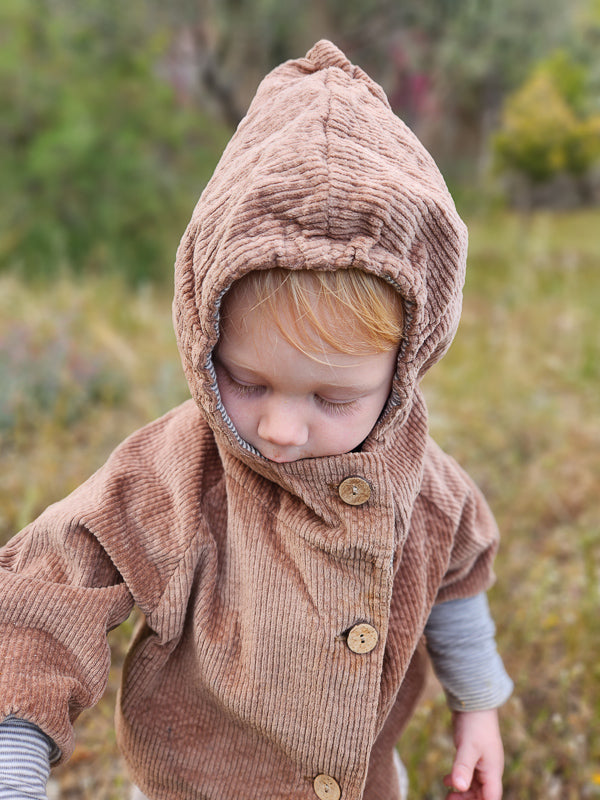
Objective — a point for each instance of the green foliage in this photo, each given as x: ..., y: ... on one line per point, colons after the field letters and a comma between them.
x: 569, y: 77
x: 464, y: 54
x: 94, y: 150
x: 102, y: 154
x: 546, y: 127
x: 537, y: 124
x: 482, y: 50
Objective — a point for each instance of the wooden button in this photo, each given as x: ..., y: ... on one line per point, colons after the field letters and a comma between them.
x: 354, y: 490
x: 327, y: 788
x: 362, y: 638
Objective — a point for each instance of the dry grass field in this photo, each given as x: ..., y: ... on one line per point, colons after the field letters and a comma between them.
x: 84, y: 362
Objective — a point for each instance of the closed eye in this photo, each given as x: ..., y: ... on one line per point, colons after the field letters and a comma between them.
x: 241, y: 388
x: 337, y: 407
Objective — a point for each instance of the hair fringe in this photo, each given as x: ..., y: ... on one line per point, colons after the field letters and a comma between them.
x: 349, y: 310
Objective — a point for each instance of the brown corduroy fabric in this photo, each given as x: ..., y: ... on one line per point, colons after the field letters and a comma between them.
x: 240, y: 681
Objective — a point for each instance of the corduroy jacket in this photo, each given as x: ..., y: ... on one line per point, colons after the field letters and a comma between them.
x: 283, y: 604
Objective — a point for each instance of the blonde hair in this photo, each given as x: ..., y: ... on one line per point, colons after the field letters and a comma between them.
x: 351, y: 311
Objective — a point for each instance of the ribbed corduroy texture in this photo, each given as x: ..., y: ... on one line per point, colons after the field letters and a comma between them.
x: 240, y: 682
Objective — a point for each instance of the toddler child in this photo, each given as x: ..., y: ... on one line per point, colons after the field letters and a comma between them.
x: 292, y: 535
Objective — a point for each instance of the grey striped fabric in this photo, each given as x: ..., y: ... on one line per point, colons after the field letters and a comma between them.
x: 462, y: 647
x: 25, y: 754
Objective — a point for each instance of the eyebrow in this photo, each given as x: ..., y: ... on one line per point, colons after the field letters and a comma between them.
x: 355, y: 387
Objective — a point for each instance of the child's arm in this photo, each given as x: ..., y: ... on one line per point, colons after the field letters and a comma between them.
x: 460, y: 640
x: 25, y: 754
x: 73, y: 573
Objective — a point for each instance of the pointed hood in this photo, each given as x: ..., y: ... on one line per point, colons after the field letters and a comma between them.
x: 321, y: 174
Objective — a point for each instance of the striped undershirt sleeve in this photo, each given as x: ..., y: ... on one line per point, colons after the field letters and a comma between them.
x: 461, y: 644
x: 25, y: 754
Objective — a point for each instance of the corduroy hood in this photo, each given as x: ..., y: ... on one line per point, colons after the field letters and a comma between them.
x: 322, y: 175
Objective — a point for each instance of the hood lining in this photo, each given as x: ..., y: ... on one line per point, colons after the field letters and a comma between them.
x: 214, y: 387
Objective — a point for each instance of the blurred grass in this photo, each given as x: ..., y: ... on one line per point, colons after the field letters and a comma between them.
x: 515, y: 401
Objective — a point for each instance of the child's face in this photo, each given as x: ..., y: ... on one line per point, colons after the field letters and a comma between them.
x: 288, y: 405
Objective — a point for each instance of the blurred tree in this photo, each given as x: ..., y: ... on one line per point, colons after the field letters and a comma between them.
x: 537, y: 125
x: 550, y: 130
x: 222, y: 48
x: 584, y: 45
x: 94, y: 151
x: 108, y: 132
x: 446, y: 64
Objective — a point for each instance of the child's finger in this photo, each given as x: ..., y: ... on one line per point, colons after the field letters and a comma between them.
x: 461, y: 775
x: 472, y: 793
x: 481, y: 788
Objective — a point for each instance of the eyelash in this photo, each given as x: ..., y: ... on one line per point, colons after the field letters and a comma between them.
x: 241, y: 388
x: 336, y: 408
x: 244, y: 390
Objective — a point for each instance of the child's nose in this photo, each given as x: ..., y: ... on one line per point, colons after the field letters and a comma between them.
x: 282, y: 423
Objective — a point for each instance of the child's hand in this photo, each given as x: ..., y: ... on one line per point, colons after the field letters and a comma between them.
x: 477, y: 770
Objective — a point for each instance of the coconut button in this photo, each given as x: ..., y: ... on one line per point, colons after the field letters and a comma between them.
x: 327, y: 788
x: 362, y: 638
x: 354, y: 490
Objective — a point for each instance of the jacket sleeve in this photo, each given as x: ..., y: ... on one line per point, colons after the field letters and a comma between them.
x: 59, y: 595
x: 461, y: 530
x: 462, y: 539
x: 74, y: 573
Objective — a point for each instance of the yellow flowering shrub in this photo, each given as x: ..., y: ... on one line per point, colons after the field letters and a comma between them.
x: 542, y: 134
